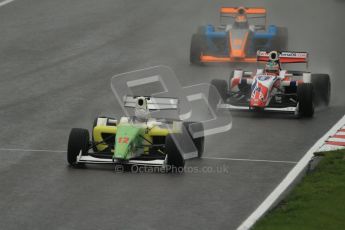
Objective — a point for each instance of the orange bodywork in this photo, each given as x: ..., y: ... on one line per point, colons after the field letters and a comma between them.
x: 237, y: 52
x: 237, y: 46
x: 256, y: 11
x: 208, y: 58
x: 234, y: 10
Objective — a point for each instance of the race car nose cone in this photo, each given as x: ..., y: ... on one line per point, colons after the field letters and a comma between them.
x: 120, y: 160
x: 257, y: 103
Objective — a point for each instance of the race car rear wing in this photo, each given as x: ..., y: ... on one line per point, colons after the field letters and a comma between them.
x: 284, y: 57
x: 242, y: 10
x: 153, y: 103
x: 249, y: 13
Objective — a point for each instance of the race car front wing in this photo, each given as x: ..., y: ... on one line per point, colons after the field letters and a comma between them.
x: 87, y: 159
x: 292, y: 110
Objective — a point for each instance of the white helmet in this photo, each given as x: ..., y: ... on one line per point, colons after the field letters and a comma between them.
x: 141, y: 109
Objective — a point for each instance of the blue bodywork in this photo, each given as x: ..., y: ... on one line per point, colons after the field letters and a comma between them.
x: 265, y: 38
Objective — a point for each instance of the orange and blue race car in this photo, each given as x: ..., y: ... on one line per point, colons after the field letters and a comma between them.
x: 242, y: 32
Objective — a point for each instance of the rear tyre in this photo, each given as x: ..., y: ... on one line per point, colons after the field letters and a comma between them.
x: 198, y: 142
x: 197, y: 47
x: 175, y: 159
x: 78, y: 141
x: 322, y: 89
x: 305, y: 96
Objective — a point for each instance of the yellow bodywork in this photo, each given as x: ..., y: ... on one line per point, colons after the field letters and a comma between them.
x: 97, y: 135
x: 98, y: 130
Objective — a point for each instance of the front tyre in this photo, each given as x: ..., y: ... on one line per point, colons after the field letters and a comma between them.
x: 197, y: 47
x: 78, y: 141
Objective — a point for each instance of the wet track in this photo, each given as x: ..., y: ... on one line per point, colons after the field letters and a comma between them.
x: 57, y: 58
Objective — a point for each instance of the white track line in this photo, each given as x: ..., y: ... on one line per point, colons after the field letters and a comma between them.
x: 5, y: 2
x: 250, y: 160
x: 289, y: 179
x: 33, y: 150
x: 208, y: 158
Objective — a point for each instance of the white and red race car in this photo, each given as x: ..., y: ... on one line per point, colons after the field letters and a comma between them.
x: 274, y: 89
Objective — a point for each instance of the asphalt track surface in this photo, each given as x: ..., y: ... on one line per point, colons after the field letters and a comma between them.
x: 57, y: 58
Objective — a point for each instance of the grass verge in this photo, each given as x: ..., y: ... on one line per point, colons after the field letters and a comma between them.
x: 317, y: 202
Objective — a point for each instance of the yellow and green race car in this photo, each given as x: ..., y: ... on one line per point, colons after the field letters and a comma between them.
x: 139, y: 139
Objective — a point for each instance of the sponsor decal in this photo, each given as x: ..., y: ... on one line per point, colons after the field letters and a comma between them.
x: 123, y: 140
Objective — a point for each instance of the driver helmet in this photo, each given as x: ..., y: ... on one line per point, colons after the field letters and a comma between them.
x: 272, y: 67
x: 142, y: 112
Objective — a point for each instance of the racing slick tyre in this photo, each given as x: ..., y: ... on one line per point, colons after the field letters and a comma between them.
x: 197, y: 47
x: 197, y: 127
x: 78, y: 141
x: 175, y: 159
x: 305, y: 97
x: 322, y: 89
